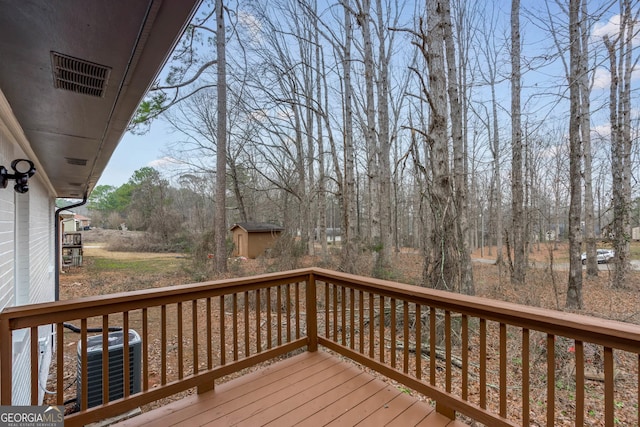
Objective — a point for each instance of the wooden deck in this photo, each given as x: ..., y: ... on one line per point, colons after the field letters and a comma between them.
x: 310, y: 389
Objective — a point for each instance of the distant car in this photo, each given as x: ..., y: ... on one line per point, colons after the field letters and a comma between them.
x: 603, y: 256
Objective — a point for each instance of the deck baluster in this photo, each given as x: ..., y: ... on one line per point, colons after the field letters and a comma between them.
x: 526, y: 378
x: 223, y: 349
x: 180, y: 342
x: 34, y: 352
x: 381, y: 326
x: 609, y: 388
x: 258, y: 323
x: 551, y: 379
x: 418, y: 341
x: 194, y: 333
x: 405, y: 319
x: 394, y: 332
x: 247, y: 342
x: 105, y: 359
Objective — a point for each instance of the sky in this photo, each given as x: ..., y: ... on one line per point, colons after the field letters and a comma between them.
x: 137, y: 151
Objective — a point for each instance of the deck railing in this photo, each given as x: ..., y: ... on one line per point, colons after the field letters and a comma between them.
x: 189, y: 336
x: 494, y: 362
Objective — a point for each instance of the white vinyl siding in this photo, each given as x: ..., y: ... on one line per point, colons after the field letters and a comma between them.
x: 21, y: 245
x: 41, y: 246
x: 27, y: 273
x: 7, y: 209
x: 35, y: 280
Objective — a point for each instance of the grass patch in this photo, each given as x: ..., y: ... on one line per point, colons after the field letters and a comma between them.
x: 135, y: 266
x: 634, y: 250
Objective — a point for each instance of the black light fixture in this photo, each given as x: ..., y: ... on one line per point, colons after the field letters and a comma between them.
x: 24, y: 169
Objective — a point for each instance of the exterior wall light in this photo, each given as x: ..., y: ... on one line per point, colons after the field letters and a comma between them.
x: 24, y: 169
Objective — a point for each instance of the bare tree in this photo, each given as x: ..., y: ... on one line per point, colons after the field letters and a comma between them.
x: 459, y: 155
x: 349, y: 214
x: 284, y: 92
x: 345, y: 176
x: 220, y: 220
x: 363, y: 18
x: 322, y: 181
x: 443, y: 248
x: 579, y: 76
x: 518, y: 240
x: 585, y: 133
x: 384, y: 138
x: 488, y: 50
x: 621, y: 65
x: 574, y: 290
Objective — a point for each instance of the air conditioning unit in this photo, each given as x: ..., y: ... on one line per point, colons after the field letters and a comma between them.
x: 116, y: 367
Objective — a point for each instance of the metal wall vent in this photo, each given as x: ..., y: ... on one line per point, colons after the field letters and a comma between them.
x: 77, y: 162
x: 78, y: 75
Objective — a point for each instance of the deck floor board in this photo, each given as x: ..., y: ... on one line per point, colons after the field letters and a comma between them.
x: 310, y: 389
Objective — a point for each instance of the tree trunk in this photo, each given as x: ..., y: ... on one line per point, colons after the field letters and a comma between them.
x: 497, y: 176
x: 459, y: 163
x: 235, y: 183
x: 301, y: 186
x: 309, y: 122
x: 441, y: 261
x: 574, y: 290
x: 384, y: 146
x: 620, y: 105
x: 585, y: 132
x: 220, y: 220
x: 518, y: 268
x: 322, y: 195
x: 363, y: 18
x: 349, y: 212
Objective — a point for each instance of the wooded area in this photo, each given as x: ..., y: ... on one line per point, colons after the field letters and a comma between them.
x: 442, y: 125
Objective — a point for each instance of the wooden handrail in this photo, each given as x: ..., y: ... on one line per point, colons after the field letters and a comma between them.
x: 410, y: 334
x: 615, y: 334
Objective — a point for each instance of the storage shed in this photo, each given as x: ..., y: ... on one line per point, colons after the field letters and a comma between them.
x: 251, y: 239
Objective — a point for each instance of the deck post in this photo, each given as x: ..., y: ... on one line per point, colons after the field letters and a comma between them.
x: 446, y: 411
x: 6, y: 361
x: 312, y: 316
x: 205, y: 387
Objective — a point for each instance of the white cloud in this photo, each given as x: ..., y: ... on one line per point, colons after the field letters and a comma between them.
x: 252, y: 25
x: 164, y: 162
x: 601, y: 131
x: 601, y: 78
x: 610, y: 28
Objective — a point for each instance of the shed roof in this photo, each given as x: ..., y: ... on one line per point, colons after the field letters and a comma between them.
x: 257, y: 227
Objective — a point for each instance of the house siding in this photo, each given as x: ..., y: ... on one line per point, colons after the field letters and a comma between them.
x: 27, y: 273
x: 7, y: 209
x: 41, y: 232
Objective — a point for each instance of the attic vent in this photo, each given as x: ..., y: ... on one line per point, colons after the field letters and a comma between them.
x: 75, y: 184
x: 79, y: 76
x: 77, y: 162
